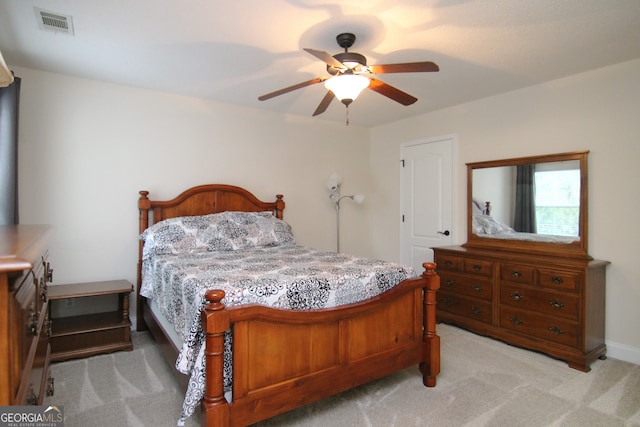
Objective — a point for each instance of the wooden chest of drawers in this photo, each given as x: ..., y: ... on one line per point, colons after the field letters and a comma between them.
x: 550, y: 304
x: 24, y: 341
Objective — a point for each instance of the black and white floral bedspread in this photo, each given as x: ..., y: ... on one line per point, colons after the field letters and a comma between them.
x: 288, y: 277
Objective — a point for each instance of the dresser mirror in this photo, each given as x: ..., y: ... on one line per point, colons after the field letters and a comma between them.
x: 533, y: 204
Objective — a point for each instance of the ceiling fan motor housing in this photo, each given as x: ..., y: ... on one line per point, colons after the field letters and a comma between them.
x: 350, y: 59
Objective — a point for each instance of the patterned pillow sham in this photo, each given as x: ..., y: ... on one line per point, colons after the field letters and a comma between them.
x: 243, y: 230
x: 215, y: 232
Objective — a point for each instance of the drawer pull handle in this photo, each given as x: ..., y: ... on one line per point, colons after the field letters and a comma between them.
x: 476, y: 310
x: 516, y: 320
x: 516, y: 296
x: 557, y: 279
x: 447, y: 302
x: 477, y: 287
x: 33, y: 320
x: 448, y: 282
x: 476, y: 267
x: 49, y: 273
x: 516, y: 273
x: 43, y: 290
x: 31, y: 399
x: 50, y: 386
x: 556, y: 330
x: 448, y: 263
x: 556, y: 304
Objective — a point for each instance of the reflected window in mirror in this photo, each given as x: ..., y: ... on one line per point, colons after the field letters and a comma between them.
x: 557, y: 198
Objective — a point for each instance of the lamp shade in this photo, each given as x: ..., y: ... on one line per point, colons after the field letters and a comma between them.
x: 6, y: 77
x: 358, y: 198
x: 334, y: 181
x: 347, y: 87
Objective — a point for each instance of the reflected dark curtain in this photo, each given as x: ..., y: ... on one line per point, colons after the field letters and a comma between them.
x: 525, y: 214
x: 9, y: 106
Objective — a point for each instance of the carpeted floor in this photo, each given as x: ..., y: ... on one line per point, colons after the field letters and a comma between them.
x: 483, y: 383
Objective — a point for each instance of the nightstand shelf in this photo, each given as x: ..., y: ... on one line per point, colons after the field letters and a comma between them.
x: 90, y: 334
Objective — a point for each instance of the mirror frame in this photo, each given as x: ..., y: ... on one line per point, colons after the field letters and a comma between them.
x: 578, y: 249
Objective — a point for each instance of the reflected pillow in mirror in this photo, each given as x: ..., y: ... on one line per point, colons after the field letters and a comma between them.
x: 483, y: 224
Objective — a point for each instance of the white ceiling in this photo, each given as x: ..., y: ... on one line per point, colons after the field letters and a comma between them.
x: 235, y: 51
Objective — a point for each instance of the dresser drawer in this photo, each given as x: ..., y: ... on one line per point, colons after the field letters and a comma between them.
x: 25, y: 321
x: 479, y: 287
x: 447, y: 262
x: 551, y: 303
x: 40, y: 382
x: 35, y: 357
x: 557, y: 330
x: 468, y: 307
x: 480, y: 267
x: 517, y: 273
x: 558, y: 279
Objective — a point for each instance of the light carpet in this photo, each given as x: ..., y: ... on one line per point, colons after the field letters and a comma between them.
x: 483, y: 382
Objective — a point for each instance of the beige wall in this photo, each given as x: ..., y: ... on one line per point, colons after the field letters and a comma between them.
x: 85, y: 143
x: 597, y: 111
x: 87, y: 148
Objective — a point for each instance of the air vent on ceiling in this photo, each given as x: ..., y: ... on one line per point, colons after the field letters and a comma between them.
x: 54, y: 21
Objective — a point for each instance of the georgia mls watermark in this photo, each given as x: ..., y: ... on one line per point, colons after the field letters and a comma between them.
x: 31, y: 416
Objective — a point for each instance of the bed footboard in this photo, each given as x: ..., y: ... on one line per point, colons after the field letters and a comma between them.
x: 285, y: 359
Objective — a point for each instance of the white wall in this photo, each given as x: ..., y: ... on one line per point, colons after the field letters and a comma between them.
x: 597, y: 111
x: 87, y: 148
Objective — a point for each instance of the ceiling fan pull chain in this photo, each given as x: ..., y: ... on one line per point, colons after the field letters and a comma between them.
x: 347, y: 115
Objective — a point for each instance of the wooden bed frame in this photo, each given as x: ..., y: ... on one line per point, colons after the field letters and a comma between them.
x: 284, y: 359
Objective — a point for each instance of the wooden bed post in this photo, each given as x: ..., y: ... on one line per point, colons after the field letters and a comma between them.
x: 144, y: 204
x: 279, y: 205
x: 215, y: 321
x: 430, y: 366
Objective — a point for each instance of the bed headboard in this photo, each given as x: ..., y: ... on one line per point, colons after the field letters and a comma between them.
x: 203, y: 200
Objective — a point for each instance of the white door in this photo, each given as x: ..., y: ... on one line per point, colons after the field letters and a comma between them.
x: 426, y: 198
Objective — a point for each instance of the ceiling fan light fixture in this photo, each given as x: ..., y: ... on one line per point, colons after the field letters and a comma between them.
x: 347, y: 87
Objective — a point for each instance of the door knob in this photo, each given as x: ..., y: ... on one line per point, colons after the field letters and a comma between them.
x: 445, y: 232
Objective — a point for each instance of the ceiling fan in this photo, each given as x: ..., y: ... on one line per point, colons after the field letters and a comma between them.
x: 350, y: 75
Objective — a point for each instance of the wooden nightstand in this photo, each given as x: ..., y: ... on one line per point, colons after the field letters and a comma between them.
x: 89, y: 334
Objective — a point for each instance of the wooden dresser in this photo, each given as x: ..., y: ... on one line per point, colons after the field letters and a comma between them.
x: 24, y: 344
x: 551, y: 304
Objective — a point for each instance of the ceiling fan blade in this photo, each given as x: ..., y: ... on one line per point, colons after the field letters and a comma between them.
x: 292, y: 88
x: 391, y: 92
x: 325, y: 57
x: 324, y: 103
x: 407, y: 67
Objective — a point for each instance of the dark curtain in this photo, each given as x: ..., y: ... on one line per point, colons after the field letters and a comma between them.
x: 525, y: 215
x: 9, y: 103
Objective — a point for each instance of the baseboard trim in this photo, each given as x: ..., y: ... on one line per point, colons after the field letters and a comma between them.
x: 623, y: 352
